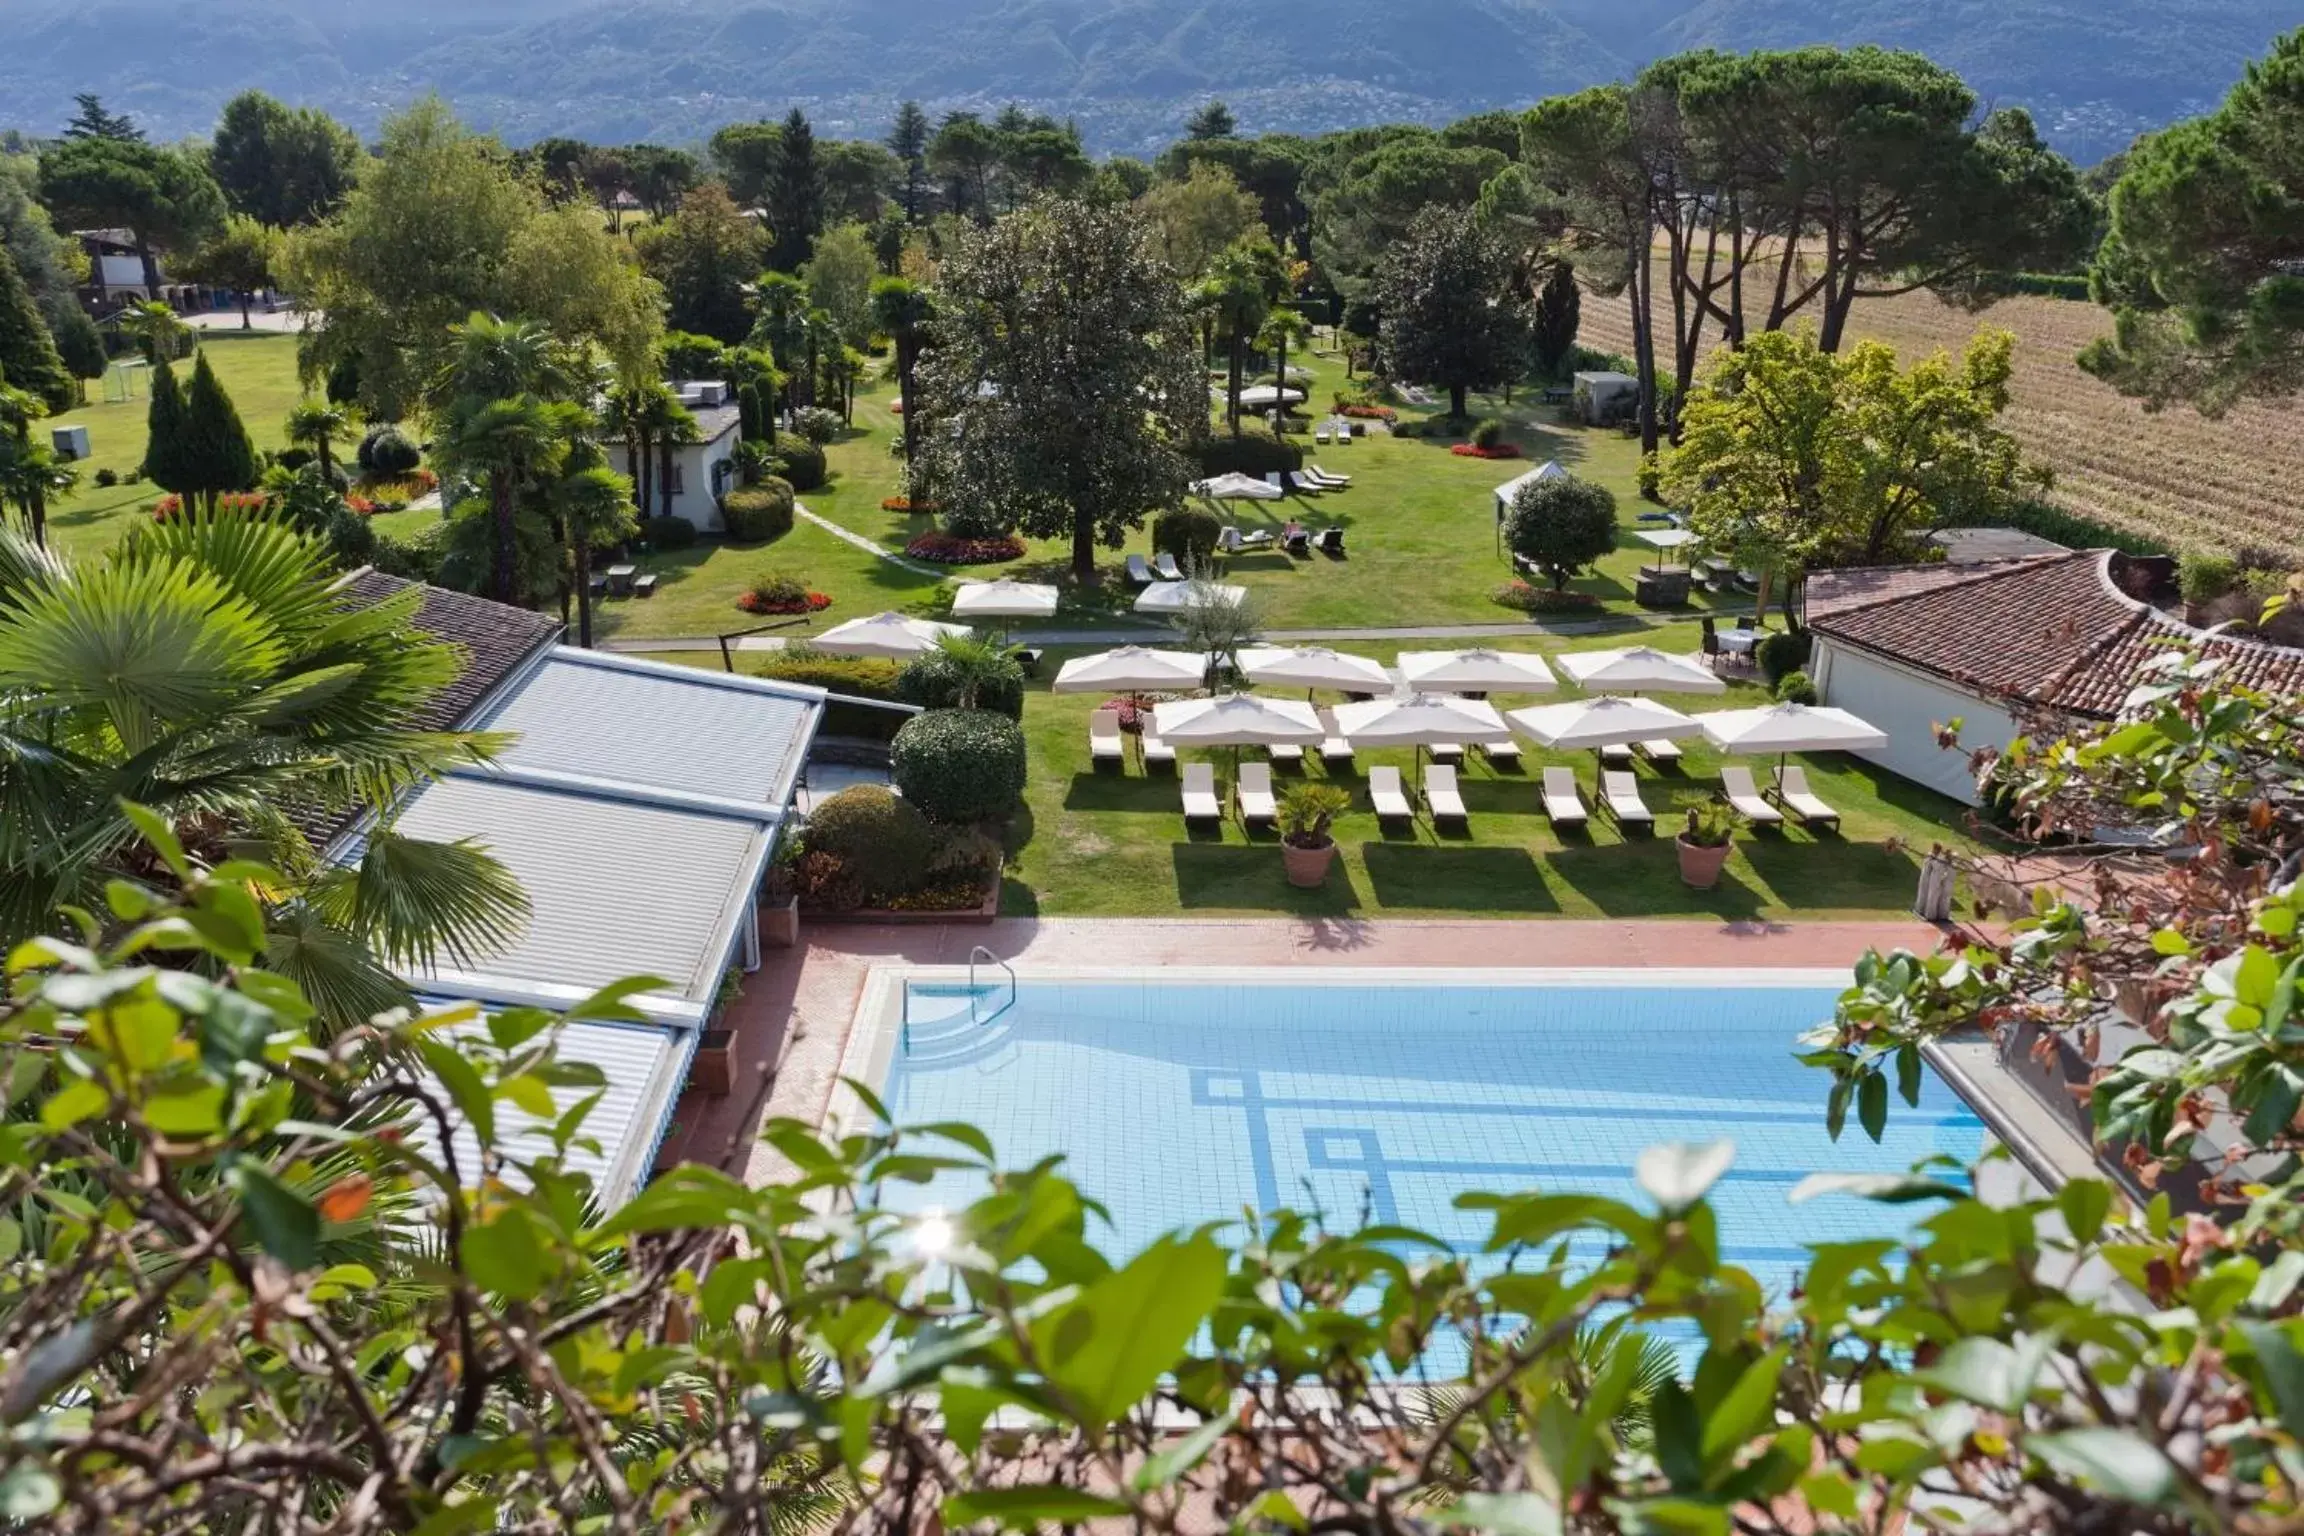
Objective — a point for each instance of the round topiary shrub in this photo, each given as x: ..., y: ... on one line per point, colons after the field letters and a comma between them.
x: 668, y: 532
x: 799, y: 463
x: 960, y: 765
x: 385, y: 451
x: 1783, y: 652
x: 937, y: 679
x: 753, y: 513
x: 1254, y: 450
x: 883, y: 840
x: 817, y: 424
x: 1188, y: 533
x: 1795, y: 688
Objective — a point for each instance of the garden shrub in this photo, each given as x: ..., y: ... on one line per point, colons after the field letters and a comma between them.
x: 1527, y: 599
x: 415, y: 558
x: 754, y: 462
x: 2074, y: 531
x: 799, y: 463
x: 754, y: 513
x: 107, y: 477
x: 1561, y: 525
x: 1188, y: 533
x: 1254, y: 450
x: 817, y: 425
x: 386, y: 450
x: 687, y: 355
x: 961, y: 549
x: 779, y: 593
x: 2204, y: 575
x: 291, y: 458
x: 880, y: 838
x: 1783, y: 652
x: 863, y: 677
x: 960, y: 765
x: 1489, y: 433
x: 1794, y: 687
x: 934, y: 681
x: 668, y: 532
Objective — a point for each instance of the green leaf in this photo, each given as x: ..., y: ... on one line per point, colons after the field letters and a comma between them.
x: 1908, y: 1074
x: 1678, y: 1174
x: 2283, y: 1366
x: 29, y: 1491
x: 1887, y: 1188
x: 1509, y: 1514
x: 1872, y: 1105
x: 2112, y: 1461
x: 680, y: 1198
x: 1836, y: 1107
x: 198, y: 1111
x: 2085, y: 1203
x: 1983, y: 1371
x: 508, y: 1256
x: 610, y: 1002
x: 154, y: 829
x: 464, y: 1085
x: 1158, y: 1471
x: 1111, y: 1345
x: 1748, y: 1407
x: 1028, y: 1506
x: 283, y: 1221
x: 73, y: 1103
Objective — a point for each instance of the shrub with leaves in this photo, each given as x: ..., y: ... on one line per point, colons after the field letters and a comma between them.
x: 1253, y: 450
x: 386, y: 450
x: 758, y: 512
x: 668, y: 532
x: 818, y: 425
x: 960, y: 765
x: 1188, y: 533
x: 964, y: 672
x: 1783, y: 651
x: 880, y: 837
x: 799, y: 463
x: 1796, y: 687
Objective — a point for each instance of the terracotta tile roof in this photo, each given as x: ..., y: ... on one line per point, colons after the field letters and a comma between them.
x: 493, y: 637
x: 2052, y: 630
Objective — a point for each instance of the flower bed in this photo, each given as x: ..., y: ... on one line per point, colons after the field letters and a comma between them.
x: 1475, y: 451
x: 952, y: 549
x: 1528, y: 599
x: 811, y: 602
x: 1383, y: 413
x: 168, y: 506
x: 906, y: 505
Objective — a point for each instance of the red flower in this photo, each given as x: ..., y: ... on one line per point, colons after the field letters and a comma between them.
x: 1475, y: 451
x: 952, y: 549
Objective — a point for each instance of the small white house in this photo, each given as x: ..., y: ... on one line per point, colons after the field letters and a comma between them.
x: 1607, y: 396
x: 701, y: 472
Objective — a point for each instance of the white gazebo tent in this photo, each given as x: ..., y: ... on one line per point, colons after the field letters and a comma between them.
x: 1004, y: 599
x: 1639, y: 669
x: 1262, y: 397
x: 1234, y: 486
x: 1548, y: 470
x: 1787, y: 728
x: 1128, y: 668
x: 1476, y: 671
x: 891, y: 635
x: 1668, y: 539
x: 1313, y: 666
x: 1423, y: 721
x: 1177, y: 596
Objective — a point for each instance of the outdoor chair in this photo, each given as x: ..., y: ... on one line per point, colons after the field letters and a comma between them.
x: 1500, y: 752
x: 1616, y: 756
x: 1563, y: 801
x: 1660, y: 751
x: 1154, y: 750
x: 1028, y: 659
x: 1296, y: 539
x: 1254, y: 792
x: 1334, y: 747
x: 1320, y: 435
x: 1331, y: 542
x: 1447, y: 751
x: 1620, y: 793
x: 1440, y: 794
x: 1199, y: 786
x: 1712, y: 650
x: 1745, y: 796
x: 1138, y: 571
x: 1792, y: 789
x: 1287, y: 752
x: 1386, y: 795
x: 1105, y: 743
x: 1165, y: 567
x: 1325, y: 478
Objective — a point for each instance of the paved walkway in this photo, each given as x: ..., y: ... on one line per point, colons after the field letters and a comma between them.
x: 1137, y: 634
x: 849, y: 536
x: 792, y: 1022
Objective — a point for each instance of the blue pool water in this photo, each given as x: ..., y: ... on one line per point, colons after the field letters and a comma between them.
x: 1184, y: 1102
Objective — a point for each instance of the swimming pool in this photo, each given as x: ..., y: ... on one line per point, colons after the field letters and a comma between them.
x: 1181, y: 1097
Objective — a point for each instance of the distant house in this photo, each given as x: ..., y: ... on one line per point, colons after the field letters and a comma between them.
x: 697, y: 474
x: 1913, y: 647
x: 116, y: 275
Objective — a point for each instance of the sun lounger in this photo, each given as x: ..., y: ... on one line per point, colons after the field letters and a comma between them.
x: 1385, y: 794
x: 1287, y: 752
x: 1138, y: 571
x: 1745, y: 796
x: 1447, y: 751
x: 1166, y: 567
x: 1276, y: 480
x: 1331, y: 541
x: 1616, y: 757
x: 1154, y: 749
x: 1334, y: 748
x: 1200, y: 802
x: 1792, y: 789
x: 1659, y: 751
x: 1254, y: 792
x: 1231, y: 541
x: 1506, y: 751
x: 1322, y: 474
x: 1296, y: 539
x: 1320, y: 435
x: 1440, y: 794
x: 1105, y: 743
x: 1563, y: 802
x: 1620, y: 792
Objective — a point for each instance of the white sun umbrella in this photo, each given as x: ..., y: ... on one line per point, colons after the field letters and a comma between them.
x: 1421, y: 721
x: 1641, y: 669
x: 1237, y: 720
x: 1262, y: 397
x: 1601, y: 722
x: 1234, y: 486
x: 1313, y: 666
x: 1476, y: 671
x: 885, y: 634
x: 1130, y: 667
x: 1787, y: 728
x: 1177, y: 596
x: 1005, y: 599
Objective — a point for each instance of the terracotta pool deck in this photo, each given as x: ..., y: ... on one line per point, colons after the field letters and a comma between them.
x: 792, y: 1023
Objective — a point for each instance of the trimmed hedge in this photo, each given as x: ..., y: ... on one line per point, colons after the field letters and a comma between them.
x: 1188, y: 533
x: 882, y: 839
x: 756, y: 513
x: 668, y: 532
x: 932, y: 681
x: 1796, y: 688
x: 387, y: 450
x: 960, y: 765
x: 1784, y: 652
x: 862, y: 677
x: 1254, y: 450
x: 798, y: 463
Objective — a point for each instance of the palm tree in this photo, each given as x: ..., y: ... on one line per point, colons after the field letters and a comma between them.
x: 1238, y: 293
x: 673, y: 426
x: 157, y: 330
x: 206, y: 669
x: 31, y: 476
x: 1283, y: 328
x: 319, y: 425
x: 903, y: 310
x: 505, y: 444
x: 593, y: 506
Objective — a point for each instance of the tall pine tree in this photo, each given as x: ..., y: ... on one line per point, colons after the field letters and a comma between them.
x: 795, y: 195
x: 223, y: 456
x: 167, y: 458
x: 1559, y: 309
x: 27, y: 352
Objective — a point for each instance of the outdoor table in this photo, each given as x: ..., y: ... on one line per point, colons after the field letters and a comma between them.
x: 620, y: 579
x: 1740, y: 641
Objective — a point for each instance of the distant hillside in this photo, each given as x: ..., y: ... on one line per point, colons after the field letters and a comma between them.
x: 1127, y: 70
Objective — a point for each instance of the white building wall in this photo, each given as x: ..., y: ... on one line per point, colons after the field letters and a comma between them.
x: 703, y: 472
x: 1909, y: 705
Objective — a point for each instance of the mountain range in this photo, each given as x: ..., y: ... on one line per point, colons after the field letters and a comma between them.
x: 2095, y: 72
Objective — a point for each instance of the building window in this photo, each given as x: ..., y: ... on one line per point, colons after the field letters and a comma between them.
x: 672, y: 478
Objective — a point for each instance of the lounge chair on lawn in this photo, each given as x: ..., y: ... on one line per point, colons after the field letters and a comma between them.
x: 1660, y: 751
x: 1331, y: 542
x: 1499, y: 752
x: 1334, y: 748
x: 1320, y: 434
x: 1231, y: 541
x: 1138, y: 571
x: 1620, y: 792
x: 1105, y: 743
x: 1563, y: 801
x: 1200, y: 802
x: 1154, y: 750
x: 1440, y: 794
x: 1745, y: 796
x: 1254, y: 792
x: 1287, y: 752
x: 1325, y: 477
x: 1792, y: 789
x: 1276, y: 480
x: 1296, y: 539
x: 1450, y: 752
x: 1386, y: 795
x: 1165, y: 566
x: 1616, y: 757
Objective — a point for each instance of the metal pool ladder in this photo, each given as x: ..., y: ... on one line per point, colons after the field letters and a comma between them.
x: 975, y: 1019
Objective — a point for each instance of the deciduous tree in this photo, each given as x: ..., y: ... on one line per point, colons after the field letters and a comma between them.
x: 238, y: 257
x: 1450, y: 315
x: 1561, y: 525
x: 705, y: 258
x: 839, y: 277
x: 280, y: 165
x: 1200, y: 215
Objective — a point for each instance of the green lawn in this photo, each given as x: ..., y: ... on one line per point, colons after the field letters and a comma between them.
x: 258, y: 372
x: 1103, y: 843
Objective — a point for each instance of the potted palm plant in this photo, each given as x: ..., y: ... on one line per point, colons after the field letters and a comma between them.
x: 1703, y: 843
x: 780, y: 898
x: 1307, y: 808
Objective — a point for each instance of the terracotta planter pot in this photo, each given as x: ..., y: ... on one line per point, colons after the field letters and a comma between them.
x: 1307, y: 867
x: 714, y: 1070
x: 780, y: 924
x: 1700, y: 866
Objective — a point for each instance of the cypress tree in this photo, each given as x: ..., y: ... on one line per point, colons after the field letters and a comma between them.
x: 1559, y: 306
x: 27, y: 352
x: 223, y: 455
x: 166, y: 460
